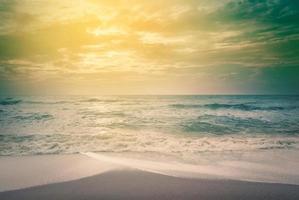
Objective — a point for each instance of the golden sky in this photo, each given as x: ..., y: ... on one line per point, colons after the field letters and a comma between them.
x: 148, y: 47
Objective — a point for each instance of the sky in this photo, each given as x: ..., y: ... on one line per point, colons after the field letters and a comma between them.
x: 108, y: 47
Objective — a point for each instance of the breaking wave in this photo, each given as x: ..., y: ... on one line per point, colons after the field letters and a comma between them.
x: 34, y: 116
x: 171, y: 124
x: 244, y: 107
x: 136, y: 142
x: 95, y: 100
x: 9, y: 101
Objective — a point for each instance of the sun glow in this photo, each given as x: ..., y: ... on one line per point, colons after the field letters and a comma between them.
x: 139, y: 47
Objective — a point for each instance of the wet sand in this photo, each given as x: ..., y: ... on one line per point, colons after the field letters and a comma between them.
x: 110, y: 176
x: 135, y: 184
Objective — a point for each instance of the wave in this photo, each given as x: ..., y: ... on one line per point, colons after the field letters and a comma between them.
x: 110, y: 122
x: 94, y: 100
x: 187, y: 105
x: 10, y: 101
x: 92, y: 114
x: 47, y: 102
x: 206, y: 127
x: 135, y: 142
x: 244, y: 107
x: 34, y: 116
x: 223, y: 125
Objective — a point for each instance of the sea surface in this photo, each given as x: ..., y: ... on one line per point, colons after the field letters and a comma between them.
x: 172, y: 125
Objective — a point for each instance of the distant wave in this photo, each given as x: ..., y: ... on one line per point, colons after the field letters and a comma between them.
x: 207, y: 127
x: 90, y: 113
x: 34, y: 116
x: 222, y: 125
x: 10, y: 101
x: 99, y: 100
x: 245, y: 107
x: 187, y: 105
x: 47, y: 102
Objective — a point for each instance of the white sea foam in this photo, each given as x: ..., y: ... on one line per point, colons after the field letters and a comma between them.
x: 258, y: 167
x: 175, y: 125
x: 135, y: 141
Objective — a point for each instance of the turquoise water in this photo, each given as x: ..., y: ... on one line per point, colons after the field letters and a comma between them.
x: 162, y: 124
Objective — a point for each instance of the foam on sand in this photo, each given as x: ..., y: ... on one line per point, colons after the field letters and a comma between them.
x: 29, y: 171
x: 279, y: 166
x: 271, y: 167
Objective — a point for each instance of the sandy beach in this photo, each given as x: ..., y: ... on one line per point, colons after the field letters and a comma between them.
x: 98, y: 176
x: 135, y: 184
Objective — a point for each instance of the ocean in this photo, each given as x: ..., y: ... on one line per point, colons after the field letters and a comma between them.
x: 184, y: 126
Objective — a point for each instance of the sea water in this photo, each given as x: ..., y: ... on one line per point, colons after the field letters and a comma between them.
x: 172, y: 125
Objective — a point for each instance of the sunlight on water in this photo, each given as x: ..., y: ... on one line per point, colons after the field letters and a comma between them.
x: 178, y: 125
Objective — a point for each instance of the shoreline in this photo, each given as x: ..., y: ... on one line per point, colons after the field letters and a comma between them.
x: 19, y: 172
x: 136, y: 184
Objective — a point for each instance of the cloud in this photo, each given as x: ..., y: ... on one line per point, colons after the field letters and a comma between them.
x: 171, y: 40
